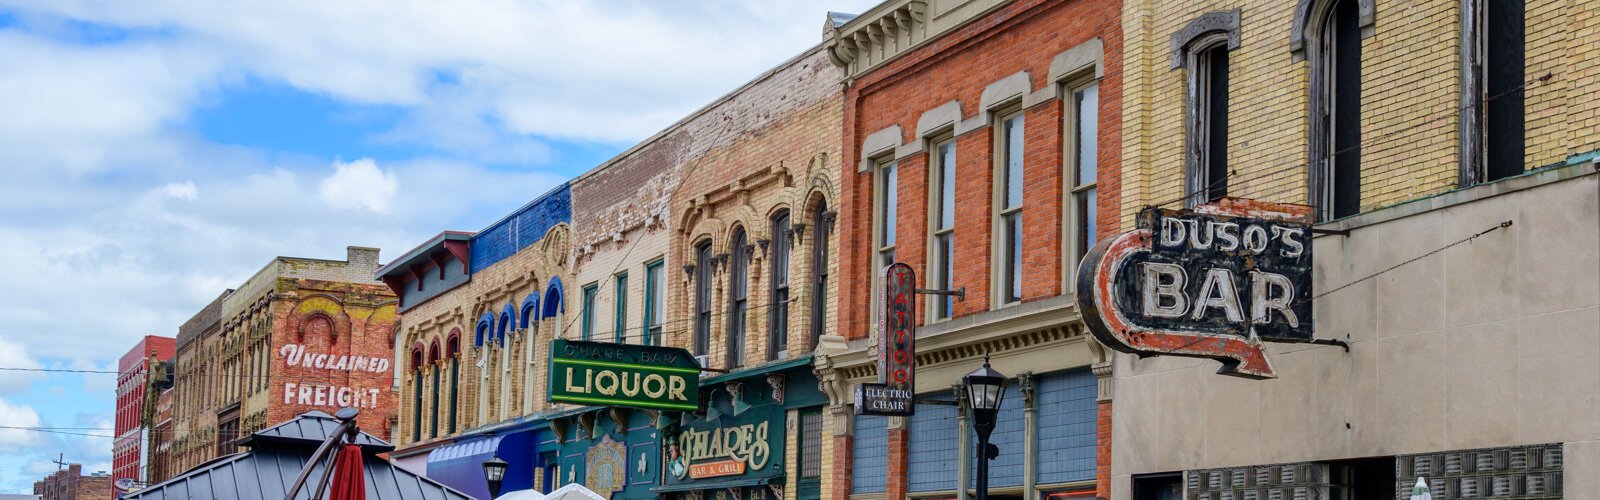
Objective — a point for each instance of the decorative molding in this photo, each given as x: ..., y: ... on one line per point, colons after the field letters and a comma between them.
x: 936, y: 120
x: 776, y: 381
x: 1304, y: 12
x: 878, y: 143
x: 1085, y: 56
x: 1004, y: 91
x: 1223, y: 21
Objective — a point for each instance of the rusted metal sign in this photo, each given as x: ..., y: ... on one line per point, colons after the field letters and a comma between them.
x: 1213, y: 282
x: 897, y: 354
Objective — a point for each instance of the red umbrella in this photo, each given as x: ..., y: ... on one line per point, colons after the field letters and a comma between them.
x: 348, y: 483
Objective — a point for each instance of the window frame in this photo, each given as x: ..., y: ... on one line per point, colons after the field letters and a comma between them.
x: 620, y: 308
x: 1332, y: 183
x: 654, y: 301
x: 1006, y: 266
x: 1078, y: 194
x: 780, y: 289
x: 703, y: 300
x: 883, y: 169
x: 737, y: 327
x: 588, y: 298
x: 1482, y: 52
x: 941, y: 238
x: 820, y: 239
x: 1202, y: 145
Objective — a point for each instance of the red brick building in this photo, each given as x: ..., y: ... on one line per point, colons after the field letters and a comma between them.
x: 129, y: 458
x: 981, y: 147
x: 71, y: 484
x: 302, y: 334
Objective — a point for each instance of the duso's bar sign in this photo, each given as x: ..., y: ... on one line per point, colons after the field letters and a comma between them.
x: 1212, y: 282
x: 893, y: 394
x: 606, y: 374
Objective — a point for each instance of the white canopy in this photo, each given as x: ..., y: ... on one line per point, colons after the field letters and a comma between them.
x: 568, y: 492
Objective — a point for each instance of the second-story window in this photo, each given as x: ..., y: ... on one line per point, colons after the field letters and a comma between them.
x: 1336, y: 112
x: 941, y: 262
x: 1493, y: 120
x: 620, y: 320
x: 888, y: 201
x: 702, y: 298
x: 738, y: 297
x: 1208, y: 121
x: 591, y: 292
x: 653, y: 304
x: 819, y: 272
x: 1008, y: 204
x: 778, y: 308
x: 1085, y: 130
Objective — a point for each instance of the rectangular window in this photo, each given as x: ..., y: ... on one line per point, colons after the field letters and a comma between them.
x: 1008, y: 195
x: 654, y: 304
x: 810, y: 444
x: 1496, y: 74
x: 1085, y: 129
x: 590, y: 293
x: 888, y: 201
x: 1208, y: 127
x: 941, y: 264
x: 1167, y: 486
x: 620, y: 323
x: 778, y: 315
x: 702, y: 298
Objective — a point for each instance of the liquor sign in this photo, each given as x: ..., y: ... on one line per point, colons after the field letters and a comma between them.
x: 1213, y: 282
x: 897, y: 353
x: 606, y: 374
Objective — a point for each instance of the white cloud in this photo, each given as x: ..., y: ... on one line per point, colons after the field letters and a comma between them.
x: 180, y: 190
x: 359, y: 185
x: 13, y: 354
x: 18, y: 440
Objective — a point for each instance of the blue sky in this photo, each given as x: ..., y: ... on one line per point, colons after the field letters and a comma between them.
x: 155, y: 153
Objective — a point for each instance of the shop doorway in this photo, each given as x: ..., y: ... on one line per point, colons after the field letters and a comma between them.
x: 1166, y: 486
x: 1362, y: 478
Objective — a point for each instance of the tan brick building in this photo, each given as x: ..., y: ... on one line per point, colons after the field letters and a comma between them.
x: 301, y: 334
x: 1409, y: 127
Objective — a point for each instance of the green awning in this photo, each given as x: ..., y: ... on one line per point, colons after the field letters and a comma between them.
x: 757, y: 371
x: 719, y: 484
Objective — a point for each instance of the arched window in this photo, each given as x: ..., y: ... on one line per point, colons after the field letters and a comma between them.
x: 1202, y: 47
x: 702, y: 297
x: 453, y: 356
x: 433, y: 407
x: 1333, y: 46
x: 738, y: 297
x: 416, y: 392
x: 530, y: 309
x: 508, y: 316
x: 553, y: 299
x: 481, y: 332
x: 778, y: 305
x: 822, y: 223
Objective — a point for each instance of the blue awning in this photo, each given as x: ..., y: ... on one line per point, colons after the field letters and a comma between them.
x: 460, y: 464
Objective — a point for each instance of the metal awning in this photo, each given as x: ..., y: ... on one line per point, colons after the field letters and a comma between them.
x: 719, y: 484
x: 757, y: 371
x: 460, y: 464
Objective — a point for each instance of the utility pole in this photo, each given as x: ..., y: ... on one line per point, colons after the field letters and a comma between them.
x: 60, y: 461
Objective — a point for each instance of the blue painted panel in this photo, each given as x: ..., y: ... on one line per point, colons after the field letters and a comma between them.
x: 1066, y: 427
x: 460, y: 465
x: 1009, y: 432
x: 935, y: 435
x: 870, y: 455
x: 522, y: 228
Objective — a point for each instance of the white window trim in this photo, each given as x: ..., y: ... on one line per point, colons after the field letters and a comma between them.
x: 1071, y: 188
x: 935, y: 266
x: 997, y: 213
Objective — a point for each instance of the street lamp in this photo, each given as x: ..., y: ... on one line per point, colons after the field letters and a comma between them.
x: 985, y: 389
x: 494, y: 471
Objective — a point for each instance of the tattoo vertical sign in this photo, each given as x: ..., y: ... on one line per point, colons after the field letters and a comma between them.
x: 892, y: 395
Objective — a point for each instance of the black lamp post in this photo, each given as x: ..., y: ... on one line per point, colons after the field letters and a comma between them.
x: 494, y: 471
x: 985, y: 389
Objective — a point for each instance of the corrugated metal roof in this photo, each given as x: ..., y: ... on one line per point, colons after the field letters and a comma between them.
x: 313, y: 427
x: 266, y: 472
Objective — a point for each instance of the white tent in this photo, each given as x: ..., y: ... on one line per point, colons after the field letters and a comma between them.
x: 568, y: 492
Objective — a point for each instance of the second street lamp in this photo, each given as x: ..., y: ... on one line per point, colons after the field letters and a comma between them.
x: 494, y: 471
x: 985, y: 388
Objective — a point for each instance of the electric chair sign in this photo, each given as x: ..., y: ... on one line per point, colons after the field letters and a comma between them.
x: 1213, y: 282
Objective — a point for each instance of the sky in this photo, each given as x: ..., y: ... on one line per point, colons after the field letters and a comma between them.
x: 155, y: 153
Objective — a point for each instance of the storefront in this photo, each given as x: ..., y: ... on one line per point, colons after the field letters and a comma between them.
x: 758, y: 437
x: 609, y: 450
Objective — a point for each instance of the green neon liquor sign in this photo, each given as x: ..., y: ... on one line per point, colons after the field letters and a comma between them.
x: 637, y: 376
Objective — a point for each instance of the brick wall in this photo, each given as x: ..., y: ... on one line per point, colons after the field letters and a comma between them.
x: 1410, y: 99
